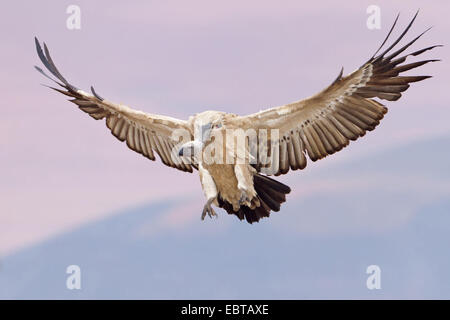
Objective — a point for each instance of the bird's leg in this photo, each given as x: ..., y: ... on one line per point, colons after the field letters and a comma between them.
x: 209, y: 187
x: 244, y: 198
x: 207, y: 209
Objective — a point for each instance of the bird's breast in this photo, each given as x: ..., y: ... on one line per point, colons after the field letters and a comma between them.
x: 225, y: 180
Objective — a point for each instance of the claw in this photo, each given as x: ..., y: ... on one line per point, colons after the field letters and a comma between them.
x: 207, y: 209
x: 244, y: 199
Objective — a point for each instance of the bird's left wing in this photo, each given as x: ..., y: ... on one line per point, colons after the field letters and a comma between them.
x: 326, y: 122
x: 144, y: 133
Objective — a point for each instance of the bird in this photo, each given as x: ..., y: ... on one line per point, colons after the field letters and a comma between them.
x: 237, y: 155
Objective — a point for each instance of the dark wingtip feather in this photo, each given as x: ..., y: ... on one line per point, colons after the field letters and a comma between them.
x: 339, y: 77
x: 47, y: 76
x: 41, y: 53
x: 67, y: 93
x: 55, y: 70
x: 416, y: 53
x: 381, y: 55
x: 95, y: 94
x: 396, y: 53
x: 50, y: 66
x: 388, y: 35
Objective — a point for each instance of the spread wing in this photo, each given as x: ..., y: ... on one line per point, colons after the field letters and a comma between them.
x: 144, y: 133
x: 325, y: 123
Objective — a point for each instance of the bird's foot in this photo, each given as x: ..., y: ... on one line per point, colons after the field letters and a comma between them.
x: 244, y: 199
x: 207, y: 209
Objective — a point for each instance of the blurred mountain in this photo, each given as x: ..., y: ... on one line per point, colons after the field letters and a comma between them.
x: 390, y: 209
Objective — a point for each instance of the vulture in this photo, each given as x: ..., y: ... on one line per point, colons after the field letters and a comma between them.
x: 236, y: 155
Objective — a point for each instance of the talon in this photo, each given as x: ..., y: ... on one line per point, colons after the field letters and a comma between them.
x: 207, y: 209
x: 244, y: 199
x: 204, y: 213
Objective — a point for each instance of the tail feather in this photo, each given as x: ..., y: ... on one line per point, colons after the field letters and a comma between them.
x: 271, y: 202
x: 263, y: 181
x: 279, y: 197
x: 270, y: 193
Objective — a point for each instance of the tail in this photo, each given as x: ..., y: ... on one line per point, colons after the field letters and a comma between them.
x: 271, y: 195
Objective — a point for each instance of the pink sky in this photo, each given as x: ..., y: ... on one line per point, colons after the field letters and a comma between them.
x: 61, y: 169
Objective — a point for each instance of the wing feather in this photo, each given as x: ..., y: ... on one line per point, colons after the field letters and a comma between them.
x: 142, y: 132
x: 344, y: 111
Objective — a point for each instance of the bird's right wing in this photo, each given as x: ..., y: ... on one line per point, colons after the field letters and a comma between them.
x: 144, y: 133
x: 325, y: 123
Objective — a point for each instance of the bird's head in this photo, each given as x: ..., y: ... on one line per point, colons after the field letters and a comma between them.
x: 205, y: 123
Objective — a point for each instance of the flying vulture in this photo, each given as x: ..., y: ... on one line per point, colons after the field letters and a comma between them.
x: 235, y: 155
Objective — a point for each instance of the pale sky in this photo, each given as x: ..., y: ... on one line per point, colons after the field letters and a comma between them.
x: 61, y: 169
